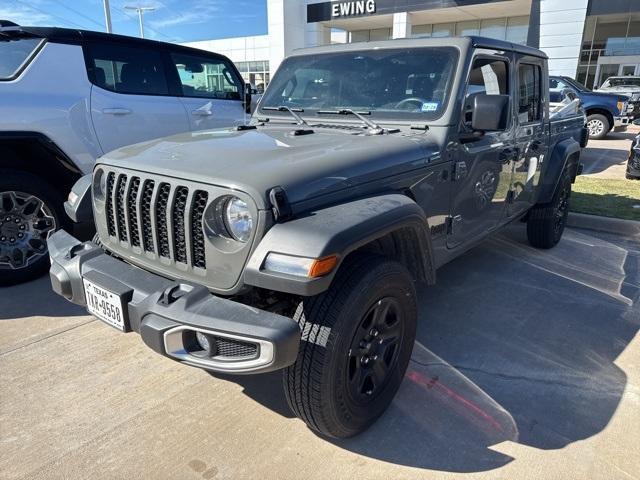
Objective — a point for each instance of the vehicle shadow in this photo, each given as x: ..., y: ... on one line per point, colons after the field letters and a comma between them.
x: 514, y: 344
x: 620, y: 136
x: 35, y: 298
x: 596, y: 160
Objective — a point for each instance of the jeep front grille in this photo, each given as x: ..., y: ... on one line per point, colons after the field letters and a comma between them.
x: 157, y: 217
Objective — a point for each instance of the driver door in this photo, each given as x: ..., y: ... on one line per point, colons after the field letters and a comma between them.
x: 211, y: 91
x: 483, y: 166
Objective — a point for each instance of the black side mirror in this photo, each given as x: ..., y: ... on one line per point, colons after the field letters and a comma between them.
x: 490, y: 112
x: 248, y: 91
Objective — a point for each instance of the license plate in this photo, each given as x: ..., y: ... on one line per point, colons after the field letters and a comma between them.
x: 105, y: 305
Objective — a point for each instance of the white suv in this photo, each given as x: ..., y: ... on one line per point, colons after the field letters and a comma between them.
x: 69, y: 96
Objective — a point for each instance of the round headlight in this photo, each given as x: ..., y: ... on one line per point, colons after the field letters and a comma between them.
x: 238, y: 219
x: 99, y: 184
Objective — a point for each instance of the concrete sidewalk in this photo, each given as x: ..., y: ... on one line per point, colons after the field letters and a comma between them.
x: 527, y: 366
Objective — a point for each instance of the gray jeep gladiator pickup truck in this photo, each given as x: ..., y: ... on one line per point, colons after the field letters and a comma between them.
x: 295, y: 242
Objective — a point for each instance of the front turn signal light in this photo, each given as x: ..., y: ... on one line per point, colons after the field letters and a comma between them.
x: 300, y: 266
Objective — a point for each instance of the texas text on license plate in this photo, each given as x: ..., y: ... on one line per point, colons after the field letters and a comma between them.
x: 105, y: 305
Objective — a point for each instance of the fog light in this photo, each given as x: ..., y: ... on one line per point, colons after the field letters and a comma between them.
x: 203, y: 341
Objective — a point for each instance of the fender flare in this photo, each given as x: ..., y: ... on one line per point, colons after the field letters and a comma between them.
x: 563, y: 156
x: 339, y: 230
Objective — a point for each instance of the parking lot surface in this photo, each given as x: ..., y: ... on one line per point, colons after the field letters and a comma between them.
x: 607, y: 158
x: 527, y: 365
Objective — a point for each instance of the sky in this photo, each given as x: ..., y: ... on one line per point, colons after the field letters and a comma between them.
x: 171, y: 21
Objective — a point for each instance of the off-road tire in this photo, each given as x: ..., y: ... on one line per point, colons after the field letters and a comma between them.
x: 17, y: 181
x: 546, y: 222
x: 316, y: 385
x: 606, y: 126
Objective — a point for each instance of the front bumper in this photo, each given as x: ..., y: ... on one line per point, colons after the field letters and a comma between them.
x: 622, y: 122
x: 164, y: 311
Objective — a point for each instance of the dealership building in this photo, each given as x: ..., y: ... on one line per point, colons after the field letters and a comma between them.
x: 589, y: 40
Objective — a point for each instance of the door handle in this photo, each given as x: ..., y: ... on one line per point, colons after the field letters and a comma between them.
x: 202, y: 113
x: 116, y: 111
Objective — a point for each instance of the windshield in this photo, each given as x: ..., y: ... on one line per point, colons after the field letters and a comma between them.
x: 625, y: 81
x: 388, y: 83
x: 13, y: 54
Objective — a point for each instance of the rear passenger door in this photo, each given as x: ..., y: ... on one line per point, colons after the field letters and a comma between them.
x: 130, y: 96
x: 531, y: 131
x: 211, y: 90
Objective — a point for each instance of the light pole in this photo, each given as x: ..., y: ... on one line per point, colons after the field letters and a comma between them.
x: 107, y: 15
x: 140, y: 11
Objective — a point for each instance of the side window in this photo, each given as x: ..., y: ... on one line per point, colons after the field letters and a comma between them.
x: 529, y: 93
x: 206, y: 77
x: 488, y: 77
x: 126, y: 69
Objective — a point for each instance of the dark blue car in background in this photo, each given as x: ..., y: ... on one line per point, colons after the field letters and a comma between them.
x: 605, y: 111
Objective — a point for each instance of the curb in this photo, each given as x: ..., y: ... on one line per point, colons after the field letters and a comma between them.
x: 618, y: 226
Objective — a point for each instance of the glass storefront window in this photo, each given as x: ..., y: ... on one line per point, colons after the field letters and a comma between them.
x: 517, y: 29
x: 255, y: 73
x: 443, y: 30
x: 513, y: 29
x: 359, y: 36
x: 605, y: 38
x: 471, y: 27
x: 380, y: 34
x: 493, y: 28
x: 421, y: 30
x: 370, y: 35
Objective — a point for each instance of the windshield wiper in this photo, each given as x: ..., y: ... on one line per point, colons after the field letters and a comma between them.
x: 292, y: 111
x: 373, y: 127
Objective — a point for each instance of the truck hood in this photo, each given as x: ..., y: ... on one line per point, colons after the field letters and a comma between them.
x: 306, y: 166
x: 607, y: 94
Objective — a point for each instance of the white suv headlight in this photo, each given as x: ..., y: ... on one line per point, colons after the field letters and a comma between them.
x: 238, y: 219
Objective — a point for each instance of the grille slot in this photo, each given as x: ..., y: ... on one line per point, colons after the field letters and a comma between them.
x: 121, y: 225
x: 132, y: 211
x: 111, y: 227
x: 156, y: 217
x: 145, y: 207
x: 161, y: 219
x: 197, y: 235
x: 228, y: 347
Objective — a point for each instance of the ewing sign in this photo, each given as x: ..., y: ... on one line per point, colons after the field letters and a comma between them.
x: 358, y: 7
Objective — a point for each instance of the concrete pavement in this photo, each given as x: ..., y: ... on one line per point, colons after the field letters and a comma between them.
x: 527, y: 365
x: 607, y: 158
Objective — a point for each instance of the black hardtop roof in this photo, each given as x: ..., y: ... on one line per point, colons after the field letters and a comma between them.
x: 467, y: 41
x: 78, y: 37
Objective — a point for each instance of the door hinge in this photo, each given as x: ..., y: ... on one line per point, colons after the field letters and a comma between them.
x: 451, y: 221
x: 459, y: 171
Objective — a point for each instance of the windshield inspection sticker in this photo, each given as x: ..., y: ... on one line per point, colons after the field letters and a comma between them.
x: 430, y: 106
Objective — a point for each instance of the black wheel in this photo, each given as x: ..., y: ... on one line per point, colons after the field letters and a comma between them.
x: 357, y: 339
x: 598, y: 126
x: 546, y: 222
x: 30, y: 211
